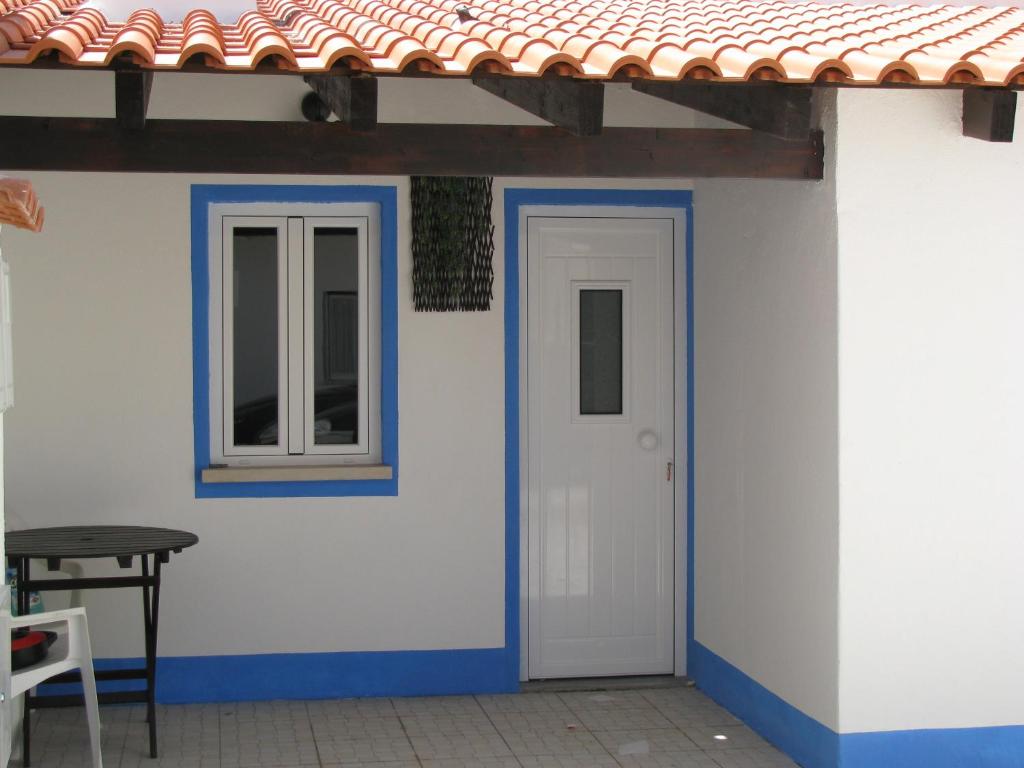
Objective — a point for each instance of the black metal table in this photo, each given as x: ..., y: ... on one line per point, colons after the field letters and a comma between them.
x: 153, y: 547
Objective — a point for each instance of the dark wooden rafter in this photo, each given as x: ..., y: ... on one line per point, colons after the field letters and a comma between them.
x: 353, y: 99
x: 131, y: 97
x: 778, y: 110
x: 989, y: 113
x: 219, y: 146
x: 575, y: 105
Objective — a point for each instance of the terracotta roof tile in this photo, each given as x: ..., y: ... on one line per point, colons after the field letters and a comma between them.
x: 600, y: 39
x: 19, y: 205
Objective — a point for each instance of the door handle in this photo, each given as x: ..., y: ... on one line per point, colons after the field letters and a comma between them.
x: 648, y: 439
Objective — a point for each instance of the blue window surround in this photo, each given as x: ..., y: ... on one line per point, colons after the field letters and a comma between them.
x: 515, y: 199
x: 205, y: 195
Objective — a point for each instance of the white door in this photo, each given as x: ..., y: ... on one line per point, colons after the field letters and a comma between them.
x: 601, y: 446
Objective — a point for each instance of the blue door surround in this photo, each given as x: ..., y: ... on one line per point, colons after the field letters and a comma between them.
x: 515, y: 200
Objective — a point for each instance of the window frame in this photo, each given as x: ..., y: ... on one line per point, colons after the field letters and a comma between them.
x: 309, y: 478
x: 295, y: 224
x: 624, y: 287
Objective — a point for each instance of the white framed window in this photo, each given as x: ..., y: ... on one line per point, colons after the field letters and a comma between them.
x: 601, y: 351
x: 294, y: 323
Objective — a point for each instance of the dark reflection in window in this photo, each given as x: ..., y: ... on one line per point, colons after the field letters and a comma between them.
x: 600, y: 352
x: 336, y: 335
x: 254, y: 319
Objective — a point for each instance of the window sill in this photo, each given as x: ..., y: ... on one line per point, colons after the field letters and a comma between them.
x: 296, y: 474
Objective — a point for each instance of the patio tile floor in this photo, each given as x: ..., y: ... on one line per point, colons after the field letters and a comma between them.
x: 666, y: 727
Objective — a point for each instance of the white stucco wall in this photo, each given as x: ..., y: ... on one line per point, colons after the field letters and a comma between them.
x: 766, y: 512
x: 102, y: 430
x: 103, y: 433
x: 931, y: 376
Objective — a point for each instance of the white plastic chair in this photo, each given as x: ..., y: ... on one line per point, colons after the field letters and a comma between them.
x: 70, y: 651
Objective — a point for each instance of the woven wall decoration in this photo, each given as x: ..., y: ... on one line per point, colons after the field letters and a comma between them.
x: 452, y: 243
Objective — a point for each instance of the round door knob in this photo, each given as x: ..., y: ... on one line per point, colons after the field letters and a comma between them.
x: 648, y: 440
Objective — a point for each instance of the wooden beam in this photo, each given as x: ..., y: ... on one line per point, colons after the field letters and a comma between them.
x: 131, y: 97
x: 219, y: 146
x: 352, y: 99
x: 989, y: 113
x: 778, y: 110
x: 575, y: 105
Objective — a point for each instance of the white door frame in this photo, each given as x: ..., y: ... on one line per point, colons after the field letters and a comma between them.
x: 680, y: 460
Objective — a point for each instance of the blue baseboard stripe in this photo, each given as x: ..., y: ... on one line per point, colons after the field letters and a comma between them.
x: 813, y: 745
x: 996, y: 747
x: 194, y: 679
x: 803, y: 738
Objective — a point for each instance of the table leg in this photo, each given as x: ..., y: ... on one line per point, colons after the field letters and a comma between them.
x: 151, y: 613
x: 23, y: 610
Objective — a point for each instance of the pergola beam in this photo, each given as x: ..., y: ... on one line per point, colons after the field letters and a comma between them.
x: 227, y: 146
x: 575, y: 105
x: 778, y: 110
x: 352, y: 99
x: 131, y: 97
x: 989, y: 113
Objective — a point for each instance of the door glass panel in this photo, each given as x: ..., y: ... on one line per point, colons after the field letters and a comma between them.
x: 255, y: 353
x: 600, y: 352
x: 336, y: 336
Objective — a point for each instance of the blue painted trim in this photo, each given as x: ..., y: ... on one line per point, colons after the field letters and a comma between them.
x: 814, y: 745
x: 515, y: 199
x: 512, y: 500
x: 691, y: 504
x: 195, y: 679
x: 993, y: 747
x: 803, y: 738
x: 203, y: 195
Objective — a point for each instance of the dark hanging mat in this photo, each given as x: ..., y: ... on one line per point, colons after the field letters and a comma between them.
x: 452, y: 243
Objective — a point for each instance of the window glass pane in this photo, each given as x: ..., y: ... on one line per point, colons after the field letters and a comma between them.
x: 600, y: 352
x: 336, y: 336
x: 255, y: 335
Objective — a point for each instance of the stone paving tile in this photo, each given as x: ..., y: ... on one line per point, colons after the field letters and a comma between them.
x: 752, y: 758
x: 478, y: 762
x: 591, y: 700
x: 334, y: 727
x: 688, y: 759
x: 614, y: 710
x: 437, y: 705
x: 471, y: 725
x: 629, y: 728
x: 176, y: 746
x: 568, y: 761
x: 579, y: 744
x: 622, y: 719
x: 380, y: 749
x: 517, y: 722
x: 676, y: 698
x: 437, y: 747
x: 736, y: 737
x: 364, y: 708
x: 60, y: 738
x: 696, y: 717
x: 621, y: 743
x: 263, y: 734
x: 522, y: 703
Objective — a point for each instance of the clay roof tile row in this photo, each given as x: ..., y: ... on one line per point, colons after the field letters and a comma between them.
x: 658, y: 39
